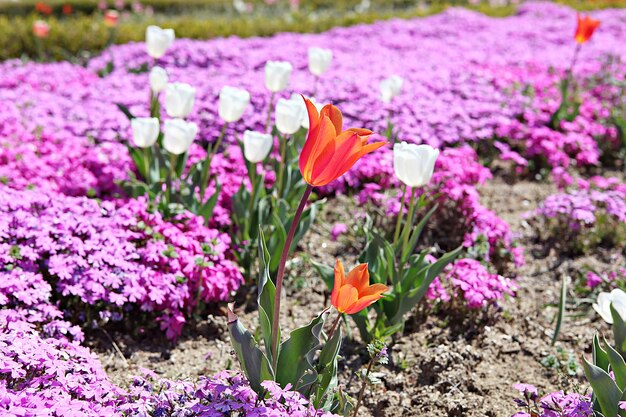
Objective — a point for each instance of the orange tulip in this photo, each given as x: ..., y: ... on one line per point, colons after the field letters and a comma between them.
x: 41, y: 29
x: 586, y: 27
x: 329, y: 151
x: 353, y: 293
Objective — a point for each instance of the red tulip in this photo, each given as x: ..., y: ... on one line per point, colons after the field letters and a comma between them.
x: 329, y: 151
x: 43, y: 8
x: 67, y: 9
x: 585, y: 28
x: 353, y: 293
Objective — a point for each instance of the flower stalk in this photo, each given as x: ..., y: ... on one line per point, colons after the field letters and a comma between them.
x: 281, y: 271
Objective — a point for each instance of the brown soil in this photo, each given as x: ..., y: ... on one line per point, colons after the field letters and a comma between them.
x: 446, y: 364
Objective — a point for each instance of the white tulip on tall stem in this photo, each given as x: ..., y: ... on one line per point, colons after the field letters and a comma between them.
x: 288, y: 118
x: 277, y: 75
x: 413, y: 165
x: 389, y: 89
x: 319, y: 61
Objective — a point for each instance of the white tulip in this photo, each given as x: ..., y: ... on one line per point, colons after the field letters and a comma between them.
x: 179, y: 98
x: 256, y: 145
x: 277, y: 75
x: 391, y: 87
x: 158, y: 40
x: 232, y: 103
x: 289, y: 115
x: 145, y: 131
x: 319, y: 60
x: 158, y: 79
x: 414, y: 164
x: 616, y: 297
x: 178, y: 135
x: 305, y: 114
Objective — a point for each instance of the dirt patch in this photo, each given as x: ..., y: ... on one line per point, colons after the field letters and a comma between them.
x: 446, y: 364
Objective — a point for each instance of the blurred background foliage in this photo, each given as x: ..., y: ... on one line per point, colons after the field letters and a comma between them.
x: 77, y: 28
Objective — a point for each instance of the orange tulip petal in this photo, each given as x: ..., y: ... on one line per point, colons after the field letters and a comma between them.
x: 346, y: 298
x: 335, y: 167
x: 361, y: 303
x: 335, y: 116
x: 374, y: 289
x: 320, y: 152
x: 359, y: 278
x: 339, y: 278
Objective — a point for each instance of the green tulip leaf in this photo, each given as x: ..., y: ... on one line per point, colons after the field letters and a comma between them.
x: 604, y: 389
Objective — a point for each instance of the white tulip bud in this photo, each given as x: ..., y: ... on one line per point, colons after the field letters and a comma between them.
x: 616, y: 297
x: 305, y: 114
x: 178, y: 135
x: 232, y: 103
x: 391, y: 87
x: 158, y: 40
x: 145, y: 131
x: 158, y: 79
x: 414, y: 164
x: 179, y: 98
x: 277, y: 75
x: 319, y: 60
x: 289, y: 115
x: 256, y: 145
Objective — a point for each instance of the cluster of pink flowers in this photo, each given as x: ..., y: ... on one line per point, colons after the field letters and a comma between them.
x: 555, y: 404
x: 612, y: 277
x: 471, y: 281
x: 116, y: 258
x: 225, y: 393
x: 578, y: 207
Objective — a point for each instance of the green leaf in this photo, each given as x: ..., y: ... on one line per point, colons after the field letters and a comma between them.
x: 327, y: 369
x: 253, y: 361
x: 125, y: 110
x: 327, y: 273
x: 618, y: 366
x: 561, y: 313
x: 362, y: 321
x: 206, y: 210
x: 604, y: 389
x: 296, y: 356
x: 600, y: 356
x: 414, y: 295
x: 266, y: 294
x: 416, y: 234
x: 619, y: 332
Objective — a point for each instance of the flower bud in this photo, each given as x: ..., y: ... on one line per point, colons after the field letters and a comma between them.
x: 158, y: 40
x: 179, y: 99
x: 158, y: 79
x: 277, y: 75
x: 289, y: 115
x: 111, y: 17
x: 256, y: 145
x: 178, y: 135
x: 41, y: 29
x: 145, y: 131
x: 390, y: 88
x: 232, y: 103
x: 319, y: 60
x: 414, y: 164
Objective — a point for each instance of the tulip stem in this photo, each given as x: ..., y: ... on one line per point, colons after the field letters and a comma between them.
x: 396, y: 235
x: 251, y: 202
x: 281, y: 272
x: 281, y: 166
x: 363, y: 386
x: 211, y: 151
x: 170, y: 175
x: 409, y: 220
x: 269, y: 113
x: 335, y: 325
